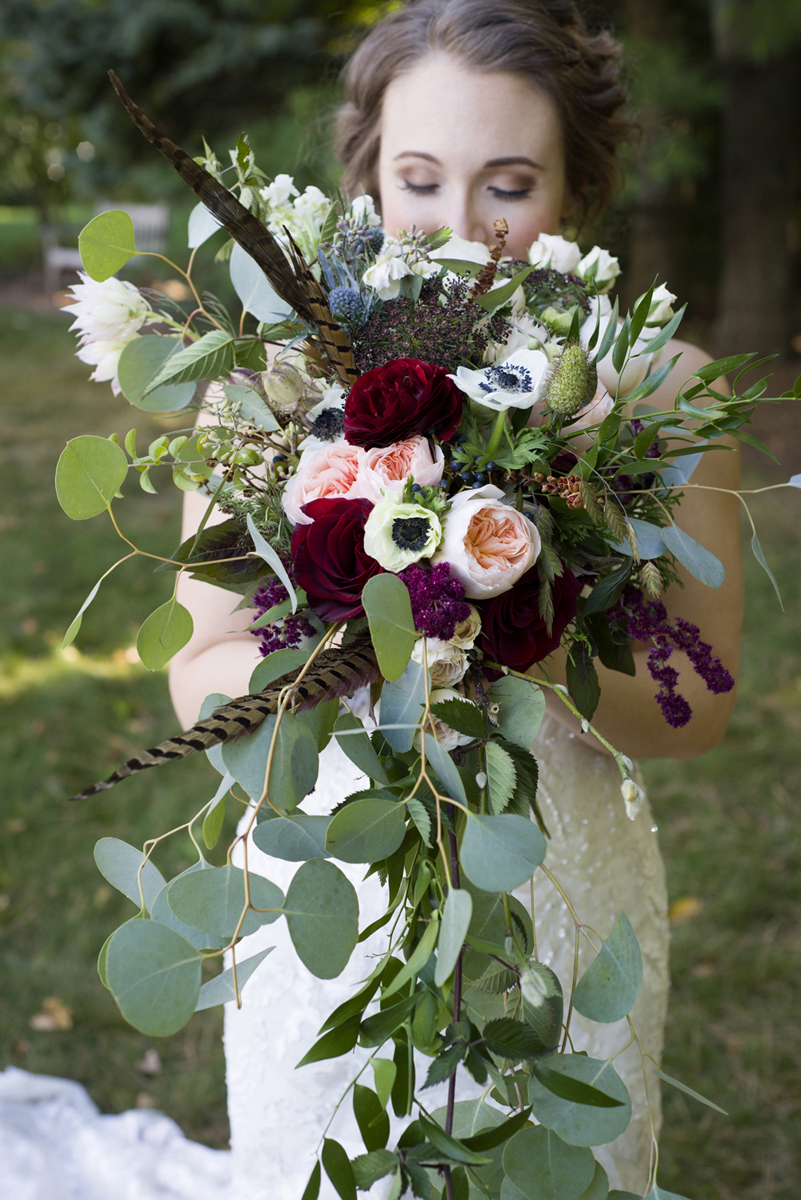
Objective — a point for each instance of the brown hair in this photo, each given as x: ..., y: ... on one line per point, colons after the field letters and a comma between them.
x: 545, y: 41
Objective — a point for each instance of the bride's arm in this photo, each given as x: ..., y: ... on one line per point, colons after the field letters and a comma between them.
x: 628, y: 714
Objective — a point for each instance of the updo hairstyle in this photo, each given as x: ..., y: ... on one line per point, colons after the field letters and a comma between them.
x: 545, y: 41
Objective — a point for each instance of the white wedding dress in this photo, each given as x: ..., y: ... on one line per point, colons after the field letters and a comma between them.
x: 605, y: 863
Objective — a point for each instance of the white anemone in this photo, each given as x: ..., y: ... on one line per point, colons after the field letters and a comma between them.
x: 516, y: 382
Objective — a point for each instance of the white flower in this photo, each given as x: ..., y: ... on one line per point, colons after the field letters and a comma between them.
x: 459, y: 249
x: 551, y: 250
x: 526, y: 334
x: 385, y: 469
x: 108, y: 315
x: 362, y: 210
x: 329, y: 429
x: 488, y: 543
x: 466, y: 632
x: 448, y: 738
x: 600, y: 268
x: 633, y: 798
x: 279, y: 191
x: 386, y: 273
x: 592, y: 414
x: 516, y: 382
x: 313, y: 205
x: 660, y: 311
x: 446, y: 663
x: 634, y: 370
x: 397, y: 534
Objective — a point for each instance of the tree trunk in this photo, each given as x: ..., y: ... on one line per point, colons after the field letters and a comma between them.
x: 758, y: 205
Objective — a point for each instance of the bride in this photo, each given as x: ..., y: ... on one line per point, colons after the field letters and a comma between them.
x: 460, y: 112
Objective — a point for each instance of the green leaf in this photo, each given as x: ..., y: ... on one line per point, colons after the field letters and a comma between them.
x: 162, y: 913
x: 582, y: 680
x: 208, y: 357
x: 512, y: 1039
x: 417, y: 959
x: 322, y: 913
x: 543, y: 1167
x: 72, y: 632
x: 445, y: 768
x: 488, y: 1139
x: 119, y: 863
x: 721, y: 366
x: 154, y: 975
x: 212, y: 900
x: 599, y: 1186
x: 275, y: 666
x: 251, y: 406
x: 610, y: 333
x: 312, y: 1189
x: 358, y: 747
x: 461, y: 715
x: 365, y: 831
x: 417, y: 811
x: 295, y: 838
x: 455, y: 922
x: 368, y: 1168
x: 498, y: 854
x: 759, y: 555
x: 692, y: 555
x: 401, y: 704
x: 140, y: 362
x: 338, y: 1169
x: 667, y: 332
x: 106, y: 244
x: 689, y: 1091
x: 89, y: 473
x: 163, y: 634
x: 371, y: 1117
x: 270, y: 556
x: 334, y: 1043
x: 294, y: 767
x: 607, y: 591
x: 621, y: 350
x: 215, y: 816
x: 384, y: 1072
x: 501, y: 776
x: 381, y: 1025
x: 497, y: 297
x: 659, y: 1193
x: 221, y: 990
x: 609, y: 987
x: 522, y: 707
x: 389, y: 614
x: 450, y: 1146
x: 583, y: 1100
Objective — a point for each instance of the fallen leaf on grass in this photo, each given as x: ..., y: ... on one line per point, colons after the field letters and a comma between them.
x: 54, y: 1015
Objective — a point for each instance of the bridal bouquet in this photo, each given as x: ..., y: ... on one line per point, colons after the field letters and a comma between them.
x: 435, y: 466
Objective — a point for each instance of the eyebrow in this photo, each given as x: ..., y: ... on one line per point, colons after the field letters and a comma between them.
x: 510, y: 161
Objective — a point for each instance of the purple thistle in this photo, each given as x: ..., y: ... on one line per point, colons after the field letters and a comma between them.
x: 438, y: 603
x: 284, y: 632
x: 647, y: 621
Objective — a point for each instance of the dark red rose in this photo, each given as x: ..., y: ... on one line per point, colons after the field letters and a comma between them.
x: 401, y: 400
x: 512, y: 631
x: 329, y: 559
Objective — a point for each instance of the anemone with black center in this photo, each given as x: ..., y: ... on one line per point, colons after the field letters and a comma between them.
x: 410, y: 533
x: 505, y: 379
x: 329, y: 426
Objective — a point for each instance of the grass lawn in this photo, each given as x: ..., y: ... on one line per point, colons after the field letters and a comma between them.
x: 730, y: 822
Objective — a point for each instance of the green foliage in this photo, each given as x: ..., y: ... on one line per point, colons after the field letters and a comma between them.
x: 322, y: 913
x: 609, y: 987
x: 208, y: 357
x: 401, y: 704
x: 583, y: 1100
x: 366, y: 831
x: 389, y: 614
x: 500, y: 853
x: 154, y: 975
x: 295, y: 838
x: 356, y: 744
x: 221, y: 989
x: 89, y: 474
x: 543, y: 1167
x: 522, y: 707
x: 107, y: 244
x: 456, y: 917
x: 163, y: 634
x: 125, y: 868
x: 213, y: 900
x: 293, y: 772
x: 140, y: 362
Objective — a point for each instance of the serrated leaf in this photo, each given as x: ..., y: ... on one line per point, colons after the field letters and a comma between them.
x: 501, y: 776
x: 421, y: 819
x: 607, y: 590
x: 444, y: 1065
x: 368, y: 1168
x: 609, y: 987
x: 496, y: 979
x: 512, y: 1039
x: 461, y: 715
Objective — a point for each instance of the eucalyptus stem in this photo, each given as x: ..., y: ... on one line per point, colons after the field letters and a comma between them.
x: 457, y: 1010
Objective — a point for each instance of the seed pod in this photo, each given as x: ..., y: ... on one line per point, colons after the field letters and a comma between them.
x: 284, y: 385
x: 572, y: 381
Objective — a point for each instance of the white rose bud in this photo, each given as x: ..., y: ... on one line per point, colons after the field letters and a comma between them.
x: 466, y: 632
x: 600, y: 268
x: 551, y: 250
x: 660, y: 311
x: 446, y: 663
x: 397, y: 534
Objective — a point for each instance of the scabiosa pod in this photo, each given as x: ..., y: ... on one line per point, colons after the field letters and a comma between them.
x: 572, y: 381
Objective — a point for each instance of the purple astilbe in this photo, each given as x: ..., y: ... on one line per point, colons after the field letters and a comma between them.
x: 438, y: 603
x: 647, y: 620
x: 285, y: 632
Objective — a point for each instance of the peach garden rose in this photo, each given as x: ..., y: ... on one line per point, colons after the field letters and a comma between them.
x: 330, y: 471
x: 487, y: 542
x: 386, y: 468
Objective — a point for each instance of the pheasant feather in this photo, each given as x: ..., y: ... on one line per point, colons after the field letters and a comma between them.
x: 293, y: 282
x: 334, y: 673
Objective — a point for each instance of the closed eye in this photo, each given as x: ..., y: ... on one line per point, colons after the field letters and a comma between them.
x: 500, y: 194
x: 419, y: 189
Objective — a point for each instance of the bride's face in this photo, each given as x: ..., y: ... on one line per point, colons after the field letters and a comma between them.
x: 462, y: 148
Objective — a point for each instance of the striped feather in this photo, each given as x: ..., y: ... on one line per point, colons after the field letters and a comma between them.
x: 294, y: 283
x: 335, y: 673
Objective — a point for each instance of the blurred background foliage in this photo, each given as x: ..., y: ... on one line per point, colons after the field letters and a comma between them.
x: 709, y: 201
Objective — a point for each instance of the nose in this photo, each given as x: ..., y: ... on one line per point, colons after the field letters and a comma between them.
x: 465, y: 221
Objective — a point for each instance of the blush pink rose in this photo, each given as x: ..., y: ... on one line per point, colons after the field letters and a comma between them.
x: 386, y: 468
x: 330, y: 472
x: 487, y: 542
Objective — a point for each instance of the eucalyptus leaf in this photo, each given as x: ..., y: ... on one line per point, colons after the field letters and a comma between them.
x: 89, y: 473
x: 163, y: 634
x: 275, y: 666
x: 759, y: 555
x: 401, y: 704
x: 251, y: 406
x: 365, y: 831
x: 659, y: 1193
x: 676, y: 1083
x: 119, y: 863
x: 140, y: 362
x: 154, y: 975
x: 389, y: 614
x: 599, y: 1187
x: 455, y: 922
x: 202, y: 225
x: 265, y: 551
x: 445, y: 769
x: 580, y: 1115
x: 106, y: 244
x: 294, y: 767
x: 77, y: 620
x: 210, y: 704
x: 215, y: 814
x: 213, y: 900
x: 522, y: 707
x: 609, y: 987
x: 221, y: 990
x: 295, y: 838
x: 500, y: 853
x: 699, y: 562
x: 162, y: 913
x: 355, y: 743
x: 322, y: 913
x: 417, y: 959
x: 543, y: 1167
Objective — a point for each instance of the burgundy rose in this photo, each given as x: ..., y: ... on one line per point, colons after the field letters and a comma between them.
x: 329, y: 559
x: 512, y: 631
x: 399, y: 401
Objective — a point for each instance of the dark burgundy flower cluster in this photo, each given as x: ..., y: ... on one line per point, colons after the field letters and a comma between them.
x: 514, y: 633
x: 329, y: 558
x: 647, y: 620
x: 438, y: 603
x: 288, y: 631
x: 400, y: 400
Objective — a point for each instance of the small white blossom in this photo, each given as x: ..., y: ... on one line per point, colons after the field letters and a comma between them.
x: 515, y: 382
x: 460, y: 250
x: 466, y: 632
x: 557, y: 253
x: 599, y: 268
x: 446, y: 663
x: 108, y: 315
x: 362, y: 210
x: 398, y: 534
x: 278, y: 192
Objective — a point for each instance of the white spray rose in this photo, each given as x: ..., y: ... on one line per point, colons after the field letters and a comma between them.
x: 488, y: 543
x: 363, y: 212
x: 397, y: 534
x: 446, y: 663
x: 599, y: 268
x: 108, y: 315
x: 553, y: 251
x: 459, y: 249
x: 639, y: 361
x: 661, y: 309
x: 466, y: 632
